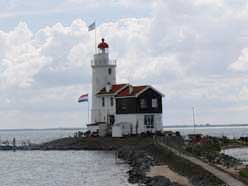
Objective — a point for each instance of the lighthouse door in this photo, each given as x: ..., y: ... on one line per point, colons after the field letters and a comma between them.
x: 111, y: 119
x: 149, y: 121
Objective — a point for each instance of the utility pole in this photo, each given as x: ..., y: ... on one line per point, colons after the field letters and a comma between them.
x: 14, y: 144
x: 193, y: 114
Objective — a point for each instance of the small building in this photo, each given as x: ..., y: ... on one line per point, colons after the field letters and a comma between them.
x: 93, y: 127
x: 121, y: 109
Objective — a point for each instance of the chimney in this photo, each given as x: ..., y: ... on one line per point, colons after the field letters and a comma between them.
x: 108, y: 87
x: 130, y: 89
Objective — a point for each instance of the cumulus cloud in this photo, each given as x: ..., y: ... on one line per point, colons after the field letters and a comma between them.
x: 20, y: 59
x: 47, y: 55
x: 243, y: 95
x: 185, y: 49
x: 242, y: 63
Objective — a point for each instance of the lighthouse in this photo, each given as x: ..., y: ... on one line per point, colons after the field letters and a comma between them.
x: 103, y: 75
x: 121, y: 109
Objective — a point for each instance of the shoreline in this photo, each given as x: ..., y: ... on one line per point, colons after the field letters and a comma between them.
x: 234, y: 147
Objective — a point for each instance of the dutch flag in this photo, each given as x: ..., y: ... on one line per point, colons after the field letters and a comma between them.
x: 92, y: 26
x: 83, y: 98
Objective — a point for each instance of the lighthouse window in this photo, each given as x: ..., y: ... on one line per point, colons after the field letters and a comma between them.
x: 109, y: 71
x: 143, y: 104
x: 111, y: 101
x: 103, y: 102
x: 154, y: 103
x: 123, y: 105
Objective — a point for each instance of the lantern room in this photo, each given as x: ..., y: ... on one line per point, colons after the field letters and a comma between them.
x: 103, y: 47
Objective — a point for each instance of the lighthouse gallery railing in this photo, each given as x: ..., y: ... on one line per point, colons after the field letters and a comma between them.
x: 103, y: 62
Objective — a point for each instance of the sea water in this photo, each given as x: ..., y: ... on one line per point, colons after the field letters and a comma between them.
x: 57, y: 168
x: 61, y: 168
x: 230, y: 132
x: 35, y: 136
x: 239, y: 153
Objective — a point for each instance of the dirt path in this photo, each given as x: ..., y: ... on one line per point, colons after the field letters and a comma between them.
x: 165, y: 171
x: 226, y: 178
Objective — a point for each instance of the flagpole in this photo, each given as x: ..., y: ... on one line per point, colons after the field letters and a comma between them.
x: 95, y: 36
x: 88, y: 112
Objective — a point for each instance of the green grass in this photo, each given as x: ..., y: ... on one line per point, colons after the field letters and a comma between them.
x: 244, y: 172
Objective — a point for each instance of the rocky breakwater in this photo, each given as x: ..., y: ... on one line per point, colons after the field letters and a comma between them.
x: 141, y: 161
x: 141, y: 158
x: 212, y: 154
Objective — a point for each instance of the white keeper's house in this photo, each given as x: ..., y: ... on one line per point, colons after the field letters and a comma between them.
x: 121, y: 109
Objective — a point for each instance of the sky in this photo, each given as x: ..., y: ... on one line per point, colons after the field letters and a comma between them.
x: 194, y: 51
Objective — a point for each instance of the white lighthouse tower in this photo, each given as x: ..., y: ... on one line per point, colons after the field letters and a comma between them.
x: 103, y: 75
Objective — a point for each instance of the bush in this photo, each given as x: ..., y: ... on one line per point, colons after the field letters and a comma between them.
x: 87, y: 133
x: 178, y: 133
x: 143, y: 134
x: 159, y: 133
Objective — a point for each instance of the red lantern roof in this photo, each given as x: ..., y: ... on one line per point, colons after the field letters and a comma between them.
x: 103, y: 45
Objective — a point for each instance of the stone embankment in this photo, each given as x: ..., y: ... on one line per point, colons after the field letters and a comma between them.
x: 142, y: 158
x: 141, y: 162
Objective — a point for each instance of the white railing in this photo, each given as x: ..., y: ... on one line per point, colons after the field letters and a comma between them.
x: 112, y: 62
x: 103, y: 62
